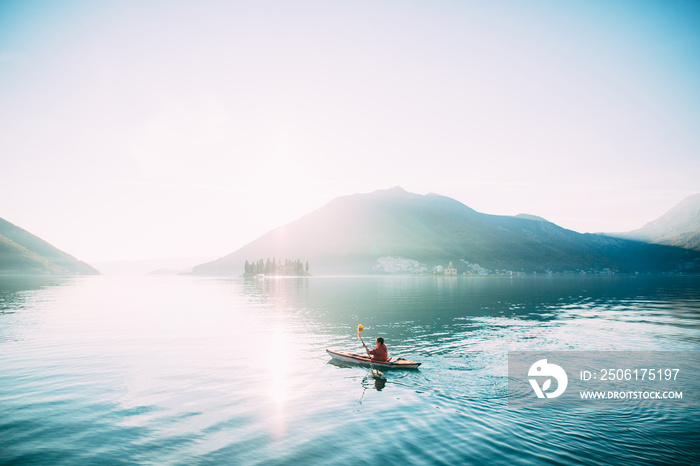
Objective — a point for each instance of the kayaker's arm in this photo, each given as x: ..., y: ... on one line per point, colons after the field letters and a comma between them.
x: 363, y: 342
x: 367, y: 349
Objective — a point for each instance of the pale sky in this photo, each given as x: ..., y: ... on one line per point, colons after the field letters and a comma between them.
x: 154, y: 129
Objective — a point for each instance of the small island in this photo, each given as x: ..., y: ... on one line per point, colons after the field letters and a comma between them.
x: 289, y: 268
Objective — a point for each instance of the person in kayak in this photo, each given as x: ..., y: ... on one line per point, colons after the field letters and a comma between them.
x: 380, y: 353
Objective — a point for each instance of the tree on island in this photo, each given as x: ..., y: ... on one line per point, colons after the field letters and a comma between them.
x: 272, y: 267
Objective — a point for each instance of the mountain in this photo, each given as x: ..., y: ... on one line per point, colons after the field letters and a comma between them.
x: 171, y: 266
x: 393, y: 230
x: 680, y: 226
x: 25, y: 254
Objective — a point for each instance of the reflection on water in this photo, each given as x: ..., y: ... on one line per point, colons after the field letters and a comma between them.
x: 183, y: 369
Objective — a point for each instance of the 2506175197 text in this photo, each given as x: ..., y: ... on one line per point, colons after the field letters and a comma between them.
x: 667, y: 374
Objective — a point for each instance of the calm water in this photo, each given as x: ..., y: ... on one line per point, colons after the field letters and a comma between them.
x: 183, y: 370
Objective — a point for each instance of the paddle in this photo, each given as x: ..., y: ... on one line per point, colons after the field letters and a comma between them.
x: 360, y: 328
x: 375, y: 373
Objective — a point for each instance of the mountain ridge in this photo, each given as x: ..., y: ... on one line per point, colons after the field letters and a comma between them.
x: 350, y: 234
x: 24, y: 253
x: 680, y: 226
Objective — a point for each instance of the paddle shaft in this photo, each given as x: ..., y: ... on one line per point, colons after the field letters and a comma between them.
x: 366, y: 349
x: 363, y: 344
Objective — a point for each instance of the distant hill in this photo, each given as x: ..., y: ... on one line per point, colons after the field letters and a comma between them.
x: 356, y: 234
x: 23, y: 253
x: 680, y: 226
x: 169, y: 266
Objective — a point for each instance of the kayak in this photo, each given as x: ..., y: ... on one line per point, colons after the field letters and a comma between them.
x: 363, y: 360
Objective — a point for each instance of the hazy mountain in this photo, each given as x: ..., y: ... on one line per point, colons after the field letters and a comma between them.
x: 680, y: 226
x: 23, y: 253
x: 356, y: 234
x: 170, y: 266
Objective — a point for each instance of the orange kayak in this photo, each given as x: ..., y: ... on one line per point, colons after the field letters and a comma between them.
x: 363, y: 360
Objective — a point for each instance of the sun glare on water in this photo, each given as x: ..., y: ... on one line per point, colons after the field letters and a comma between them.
x: 278, y: 384
x: 278, y: 368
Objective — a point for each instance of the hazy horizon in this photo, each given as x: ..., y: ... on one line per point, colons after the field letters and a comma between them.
x: 153, y: 130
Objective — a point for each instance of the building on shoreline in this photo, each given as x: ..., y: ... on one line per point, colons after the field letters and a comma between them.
x: 449, y: 270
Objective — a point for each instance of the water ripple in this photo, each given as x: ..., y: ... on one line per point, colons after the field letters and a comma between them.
x: 196, y: 371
